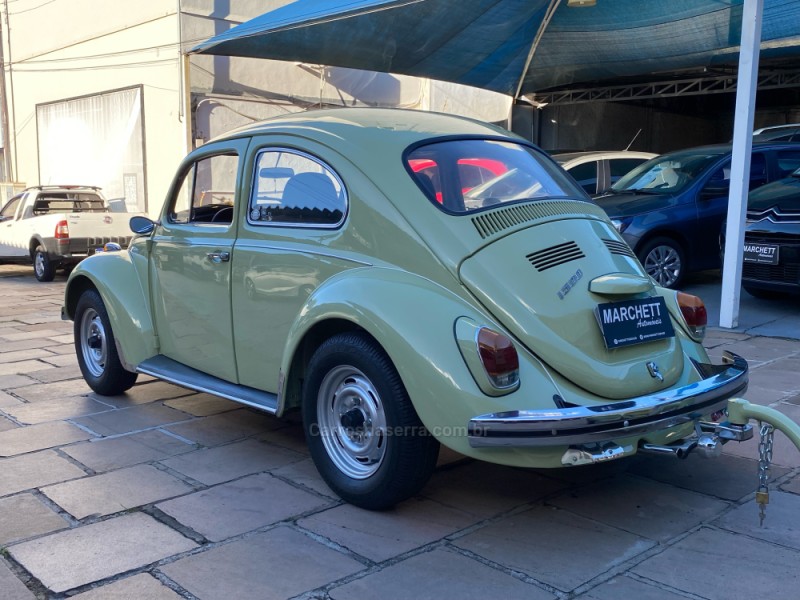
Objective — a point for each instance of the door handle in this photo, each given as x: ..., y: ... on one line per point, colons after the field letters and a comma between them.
x: 218, y: 257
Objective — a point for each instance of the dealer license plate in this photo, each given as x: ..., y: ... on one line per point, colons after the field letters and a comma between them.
x: 634, y: 321
x: 763, y: 254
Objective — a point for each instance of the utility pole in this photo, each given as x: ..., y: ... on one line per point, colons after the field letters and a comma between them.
x: 8, y: 175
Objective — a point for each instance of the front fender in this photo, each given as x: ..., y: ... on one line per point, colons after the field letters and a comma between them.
x: 413, y: 319
x: 119, y: 281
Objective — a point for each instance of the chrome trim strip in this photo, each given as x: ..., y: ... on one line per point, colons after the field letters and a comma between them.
x: 625, y: 418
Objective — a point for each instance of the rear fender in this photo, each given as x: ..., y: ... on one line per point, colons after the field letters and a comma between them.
x: 118, y: 281
x: 413, y: 319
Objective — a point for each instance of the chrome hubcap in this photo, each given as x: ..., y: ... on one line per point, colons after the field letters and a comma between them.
x: 38, y: 263
x: 94, y: 348
x: 663, y: 264
x: 352, y: 422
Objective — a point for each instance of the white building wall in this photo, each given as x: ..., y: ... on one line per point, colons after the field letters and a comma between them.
x: 74, y: 48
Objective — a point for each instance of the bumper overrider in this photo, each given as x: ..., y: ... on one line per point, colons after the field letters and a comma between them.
x: 598, y: 425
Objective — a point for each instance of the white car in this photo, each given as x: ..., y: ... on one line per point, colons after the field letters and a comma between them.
x: 597, y: 171
x: 57, y: 227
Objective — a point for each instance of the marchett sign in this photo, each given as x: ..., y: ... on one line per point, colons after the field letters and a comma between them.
x: 634, y: 321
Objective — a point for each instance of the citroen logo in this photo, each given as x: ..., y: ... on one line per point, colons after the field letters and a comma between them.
x: 652, y: 368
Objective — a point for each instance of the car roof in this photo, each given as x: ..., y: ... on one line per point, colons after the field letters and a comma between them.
x: 360, y: 124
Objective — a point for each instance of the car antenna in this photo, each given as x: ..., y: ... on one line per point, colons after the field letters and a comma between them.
x: 628, y: 147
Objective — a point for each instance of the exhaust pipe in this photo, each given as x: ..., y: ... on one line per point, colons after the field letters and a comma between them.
x: 708, y: 446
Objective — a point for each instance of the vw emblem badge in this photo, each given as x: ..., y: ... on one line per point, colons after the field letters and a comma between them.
x: 652, y: 368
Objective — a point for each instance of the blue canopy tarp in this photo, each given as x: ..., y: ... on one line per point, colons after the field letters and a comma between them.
x: 510, y: 46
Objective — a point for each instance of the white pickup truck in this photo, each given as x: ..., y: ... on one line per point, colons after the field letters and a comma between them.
x: 58, y: 226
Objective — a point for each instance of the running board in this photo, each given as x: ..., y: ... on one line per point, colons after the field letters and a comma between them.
x: 172, y: 371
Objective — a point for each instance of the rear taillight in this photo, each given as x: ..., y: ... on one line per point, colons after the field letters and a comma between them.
x: 62, y: 230
x: 499, y: 357
x: 694, y: 313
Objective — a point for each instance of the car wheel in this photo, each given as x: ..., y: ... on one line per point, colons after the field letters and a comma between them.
x: 663, y: 259
x: 363, y: 432
x: 96, y: 349
x: 43, y: 267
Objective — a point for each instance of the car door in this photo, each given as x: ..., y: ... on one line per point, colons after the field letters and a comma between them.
x: 712, y: 209
x: 190, y: 266
x: 285, y: 249
x: 11, y: 243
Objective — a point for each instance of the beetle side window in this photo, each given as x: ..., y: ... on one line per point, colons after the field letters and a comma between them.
x: 207, y: 192
x: 295, y: 189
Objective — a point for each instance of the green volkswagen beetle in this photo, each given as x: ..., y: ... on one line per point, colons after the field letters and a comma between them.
x: 366, y: 267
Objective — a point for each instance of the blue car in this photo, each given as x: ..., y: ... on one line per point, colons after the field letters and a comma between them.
x: 671, y: 208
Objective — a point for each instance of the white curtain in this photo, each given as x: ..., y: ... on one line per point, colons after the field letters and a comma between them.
x: 97, y: 140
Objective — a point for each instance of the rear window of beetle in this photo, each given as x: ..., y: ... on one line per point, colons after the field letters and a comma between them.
x: 462, y: 176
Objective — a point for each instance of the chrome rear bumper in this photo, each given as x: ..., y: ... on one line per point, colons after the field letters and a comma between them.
x: 617, y: 420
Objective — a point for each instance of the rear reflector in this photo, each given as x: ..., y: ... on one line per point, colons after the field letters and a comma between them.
x: 694, y: 313
x: 499, y: 357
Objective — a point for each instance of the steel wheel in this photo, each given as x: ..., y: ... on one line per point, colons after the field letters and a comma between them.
x: 38, y: 264
x: 352, y: 422
x: 43, y: 268
x: 94, y: 347
x: 662, y: 260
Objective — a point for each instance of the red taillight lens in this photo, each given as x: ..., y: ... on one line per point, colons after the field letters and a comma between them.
x: 62, y: 230
x: 694, y: 313
x: 499, y: 357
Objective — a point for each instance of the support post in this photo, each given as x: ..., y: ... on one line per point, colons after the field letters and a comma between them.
x: 740, y: 162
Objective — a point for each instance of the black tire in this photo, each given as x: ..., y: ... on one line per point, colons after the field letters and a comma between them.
x: 43, y: 267
x: 96, y: 349
x: 375, y: 453
x: 664, y: 260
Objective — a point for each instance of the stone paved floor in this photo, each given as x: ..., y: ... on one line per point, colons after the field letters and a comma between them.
x: 163, y: 493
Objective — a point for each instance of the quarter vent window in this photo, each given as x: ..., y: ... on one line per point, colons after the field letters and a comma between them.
x: 555, y: 255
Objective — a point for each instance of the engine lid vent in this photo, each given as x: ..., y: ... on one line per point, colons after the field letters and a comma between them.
x: 493, y: 222
x: 555, y: 255
x: 618, y: 247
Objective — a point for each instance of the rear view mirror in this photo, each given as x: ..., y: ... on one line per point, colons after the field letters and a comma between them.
x: 141, y: 225
x: 715, y: 189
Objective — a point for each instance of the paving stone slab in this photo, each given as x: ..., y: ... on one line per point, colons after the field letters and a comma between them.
x: 436, y: 575
x: 248, y: 504
x: 224, y: 463
x: 763, y: 349
x: 147, y: 446
x: 56, y: 374
x: 385, y: 534
x: 24, y: 516
x: 58, y: 409
x: 219, y: 429
x: 7, y: 400
x: 305, y: 473
x: 728, y: 477
x: 554, y: 546
x: 288, y: 436
x: 8, y: 370
x: 66, y: 560
x: 719, y: 565
x: 25, y: 344
x: 144, y: 392
x: 621, y: 588
x: 22, y: 355
x: 644, y: 507
x: 48, y: 391
x: 61, y: 360
x: 793, y: 485
x: 484, y: 490
x: 11, y: 587
x: 782, y: 523
x: 7, y: 424
x: 138, y: 587
x: 115, y: 491
x: 128, y: 420
x: 202, y: 405
x: 29, y: 471
x: 39, y: 437
x: 296, y: 564
x: 29, y: 335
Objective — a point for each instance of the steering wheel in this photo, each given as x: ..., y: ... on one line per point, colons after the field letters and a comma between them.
x: 228, y: 211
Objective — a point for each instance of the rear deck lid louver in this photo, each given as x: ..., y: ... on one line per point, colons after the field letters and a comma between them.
x: 618, y: 247
x: 555, y: 255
